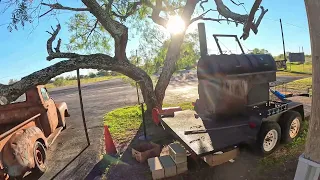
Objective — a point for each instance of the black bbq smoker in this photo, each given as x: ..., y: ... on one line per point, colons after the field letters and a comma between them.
x: 234, y: 104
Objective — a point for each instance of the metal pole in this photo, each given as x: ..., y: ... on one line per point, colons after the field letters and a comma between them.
x: 137, y: 81
x: 81, y: 106
x: 144, y: 123
x: 284, y: 48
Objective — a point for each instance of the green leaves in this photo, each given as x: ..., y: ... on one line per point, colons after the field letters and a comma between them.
x: 87, y: 34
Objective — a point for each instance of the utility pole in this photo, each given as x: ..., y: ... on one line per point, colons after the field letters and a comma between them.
x: 284, y: 48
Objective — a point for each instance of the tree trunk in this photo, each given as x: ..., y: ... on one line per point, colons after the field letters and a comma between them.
x: 169, y: 67
x: 94, y: 61
x: 173, y: 54
x: 312, y: 150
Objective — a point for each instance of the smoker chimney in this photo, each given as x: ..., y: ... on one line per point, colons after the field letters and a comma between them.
x: 202, y: 39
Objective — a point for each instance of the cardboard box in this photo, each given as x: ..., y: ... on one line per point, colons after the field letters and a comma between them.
x: 156, y: 168
x: 182, y: 167
x: 145, y: 150
x: 217, y: 159
x: 177, y: 153
x: 170, y: 168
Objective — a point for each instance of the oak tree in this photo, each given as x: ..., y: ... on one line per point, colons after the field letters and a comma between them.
x: 105, y: 21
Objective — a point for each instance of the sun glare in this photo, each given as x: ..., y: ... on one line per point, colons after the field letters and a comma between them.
x: 175, y: 25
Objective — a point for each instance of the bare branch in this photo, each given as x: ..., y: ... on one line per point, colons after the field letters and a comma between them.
x: 250, y: 24
x: 202, y: 2
x: 57, y: 53
x: 129, y: 11
x: 238, y: 4
x: 57, y: 48
x: 225, y: 12
x: 45, y: 13
x: 155, y: 16
x: 91, y: 31
x: 200, y: 16
x: 59, y: 6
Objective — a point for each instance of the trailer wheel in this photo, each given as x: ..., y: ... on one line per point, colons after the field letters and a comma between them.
x: 269, y: 137
x: 290, y: 124
x: 40, y: 156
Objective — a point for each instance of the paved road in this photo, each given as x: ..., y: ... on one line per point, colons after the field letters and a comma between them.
x: 69, y: 157
x: 98, y: 99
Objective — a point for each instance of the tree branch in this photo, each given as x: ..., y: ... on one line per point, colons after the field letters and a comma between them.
x: 59, y: 6
x: 129, y: 12
x: 11, y: 92
x: 200, y: 16
x: 57, y: 54
x: 250, y: 24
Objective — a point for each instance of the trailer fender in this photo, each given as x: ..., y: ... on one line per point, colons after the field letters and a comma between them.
x: 17, y: 154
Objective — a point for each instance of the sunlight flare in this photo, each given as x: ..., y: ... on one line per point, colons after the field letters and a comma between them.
x: 175, y: 25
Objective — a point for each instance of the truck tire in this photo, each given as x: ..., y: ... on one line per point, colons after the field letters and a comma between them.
x: 290, y: 124
x: 39, y: 153
x: 269, y: 137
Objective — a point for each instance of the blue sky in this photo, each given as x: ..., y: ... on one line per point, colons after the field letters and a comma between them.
x: 24, y: 51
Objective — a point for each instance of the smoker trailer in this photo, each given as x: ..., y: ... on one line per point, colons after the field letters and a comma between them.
x: 234, y: 105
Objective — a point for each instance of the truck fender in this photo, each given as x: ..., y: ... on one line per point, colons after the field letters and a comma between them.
x: 17, y: 154
x: 63, y: 112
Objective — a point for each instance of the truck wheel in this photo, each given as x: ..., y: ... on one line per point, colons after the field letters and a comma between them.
x: 269, y: 137
x: 39, y: 154
x: 290, y: 124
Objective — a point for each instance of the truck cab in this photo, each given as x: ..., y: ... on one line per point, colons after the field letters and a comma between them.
x: 30, y: 124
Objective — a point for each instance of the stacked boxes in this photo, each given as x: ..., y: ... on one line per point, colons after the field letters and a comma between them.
x: 179, y: 156
x: 170, y: 168
x: 169, y: 165
x: 156, y: 168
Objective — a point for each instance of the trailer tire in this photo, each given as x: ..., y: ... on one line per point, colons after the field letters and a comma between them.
x: 290, y: 124
x: 269, y: 137
x: 40, y: 155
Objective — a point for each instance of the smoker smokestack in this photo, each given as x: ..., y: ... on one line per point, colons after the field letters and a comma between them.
x: 202, y: 39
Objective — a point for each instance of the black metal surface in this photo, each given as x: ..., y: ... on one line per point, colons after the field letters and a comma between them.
x: 81, y: 106
x: 212, y: 65
x: 202, y: 39
x: 226, y: 131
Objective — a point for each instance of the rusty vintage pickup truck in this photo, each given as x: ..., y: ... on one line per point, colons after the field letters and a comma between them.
x: 27, y: 128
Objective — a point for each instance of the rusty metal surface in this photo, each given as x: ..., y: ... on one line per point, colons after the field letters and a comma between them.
x: 23, y: 123
x: 17, y: 154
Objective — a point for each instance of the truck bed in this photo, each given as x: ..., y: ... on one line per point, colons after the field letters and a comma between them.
x: 213, y: 140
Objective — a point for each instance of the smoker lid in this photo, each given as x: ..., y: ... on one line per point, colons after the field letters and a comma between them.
x: 233, y: 64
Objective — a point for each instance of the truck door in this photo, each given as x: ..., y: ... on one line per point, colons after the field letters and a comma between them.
x: 52, y: 117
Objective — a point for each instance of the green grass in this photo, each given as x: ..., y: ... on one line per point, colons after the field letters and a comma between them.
x: 288, y: 151
x: 299, y: 68
x: 124, y: 122
x: 301, y: 84
x: 83, y: 81
x: 286, y: 73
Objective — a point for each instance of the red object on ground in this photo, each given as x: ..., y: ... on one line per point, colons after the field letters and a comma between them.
x: 156, y: 116
x: 169, y: 111
x: 110, y: 148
